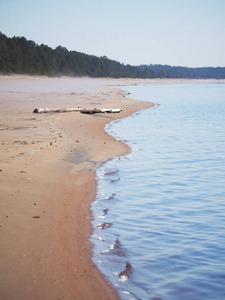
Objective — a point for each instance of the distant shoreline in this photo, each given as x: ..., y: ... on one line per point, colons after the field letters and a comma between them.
x: 126, y: 81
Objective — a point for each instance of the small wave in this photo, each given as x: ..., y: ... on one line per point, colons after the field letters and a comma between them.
x: 110, y: 197
x: 104, y: 225
x: 123, y: 278
x: 105, y: 251
x: 115, y: 180
x: 111, y: 172
x: 98, y: 237
x: 100, y: 217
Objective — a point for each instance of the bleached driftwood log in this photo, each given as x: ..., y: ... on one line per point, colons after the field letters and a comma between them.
x: 56, y: 110
x: 111, y: 110
x: 78, y: 109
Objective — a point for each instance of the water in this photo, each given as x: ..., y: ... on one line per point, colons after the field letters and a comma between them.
x: 159, y: 212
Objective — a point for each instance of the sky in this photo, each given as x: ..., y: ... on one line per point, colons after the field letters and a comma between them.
x: 169, y: 32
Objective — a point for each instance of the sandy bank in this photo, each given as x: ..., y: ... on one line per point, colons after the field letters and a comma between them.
x: 48, y: 164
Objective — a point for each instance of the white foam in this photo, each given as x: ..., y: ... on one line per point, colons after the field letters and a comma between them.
x: 123, y: 278
x: 104, y: 251
x: 97, y: 237
x: 101, y: 217
x: 125, y: 292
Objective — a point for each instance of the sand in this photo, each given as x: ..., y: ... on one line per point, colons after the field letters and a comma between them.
x: 47, y: 179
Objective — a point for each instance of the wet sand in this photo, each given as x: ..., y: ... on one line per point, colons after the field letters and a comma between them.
x: 47, y: 179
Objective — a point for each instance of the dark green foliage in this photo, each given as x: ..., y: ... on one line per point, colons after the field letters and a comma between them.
x: 184, y: 72
x: 20, y: 56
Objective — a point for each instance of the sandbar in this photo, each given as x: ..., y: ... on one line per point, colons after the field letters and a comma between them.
x: 47, y: 179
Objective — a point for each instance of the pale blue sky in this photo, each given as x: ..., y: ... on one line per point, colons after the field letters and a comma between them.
x: 174, y: 32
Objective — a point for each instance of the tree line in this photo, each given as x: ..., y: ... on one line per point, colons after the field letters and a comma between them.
x: 21, y: 56
x: 165, y: 71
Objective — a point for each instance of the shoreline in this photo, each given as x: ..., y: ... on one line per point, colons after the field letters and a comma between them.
x: 48, y: 182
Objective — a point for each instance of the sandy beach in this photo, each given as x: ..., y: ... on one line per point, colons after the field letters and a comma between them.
x: 48, y: 164
x: 47, y: 179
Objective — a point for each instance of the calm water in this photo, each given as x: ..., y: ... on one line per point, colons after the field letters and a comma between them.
x: 159, y: 214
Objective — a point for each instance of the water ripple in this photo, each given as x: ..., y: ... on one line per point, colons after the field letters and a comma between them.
x: 165, y: 201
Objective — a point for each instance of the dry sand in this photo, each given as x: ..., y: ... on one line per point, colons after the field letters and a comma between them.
x: 47, y: 179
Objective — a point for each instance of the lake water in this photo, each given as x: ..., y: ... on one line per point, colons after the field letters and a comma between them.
x: 159, y: 213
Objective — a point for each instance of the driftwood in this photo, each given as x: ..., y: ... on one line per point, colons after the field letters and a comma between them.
x: 78, y: 109
x: 90, y: 111
x: 55, y: 110
x: 102, y: 110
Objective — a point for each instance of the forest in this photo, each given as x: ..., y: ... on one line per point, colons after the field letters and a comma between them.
x: 184, y: 72
x: 21, y: 56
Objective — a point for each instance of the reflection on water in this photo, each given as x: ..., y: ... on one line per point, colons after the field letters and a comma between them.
x: 165, y: 201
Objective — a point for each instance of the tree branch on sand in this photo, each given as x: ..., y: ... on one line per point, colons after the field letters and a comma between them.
x: 77, y: 109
